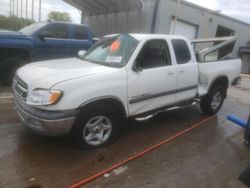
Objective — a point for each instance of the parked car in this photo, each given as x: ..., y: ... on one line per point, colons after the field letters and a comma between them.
x: 41, y: 41
x: 121, y: 76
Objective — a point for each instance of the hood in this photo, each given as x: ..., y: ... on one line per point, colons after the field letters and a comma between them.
x: 11, y: 34
x: 46, y: 74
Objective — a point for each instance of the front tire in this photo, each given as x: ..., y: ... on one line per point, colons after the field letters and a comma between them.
x: 212, y: 102
x: 8, y: 69
x: 96, y: 126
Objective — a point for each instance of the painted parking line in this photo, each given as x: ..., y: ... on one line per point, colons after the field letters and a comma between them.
x: 140, y: 154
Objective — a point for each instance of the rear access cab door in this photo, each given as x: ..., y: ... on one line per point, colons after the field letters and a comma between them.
x: 186, y: 70
x: 80, y: 39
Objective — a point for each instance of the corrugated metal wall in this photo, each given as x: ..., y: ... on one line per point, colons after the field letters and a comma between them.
x: 141, y: 21
x: 133, y: 21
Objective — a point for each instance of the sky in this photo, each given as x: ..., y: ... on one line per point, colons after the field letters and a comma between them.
x: 47, y: 6
x: 239, y: 9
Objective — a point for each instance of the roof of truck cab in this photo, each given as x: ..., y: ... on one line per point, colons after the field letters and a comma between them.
x: 140, y: 37
x: 63, y: 22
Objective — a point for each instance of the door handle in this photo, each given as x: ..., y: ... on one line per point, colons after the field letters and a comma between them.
x: 182, y: 71
x: 170, y: 73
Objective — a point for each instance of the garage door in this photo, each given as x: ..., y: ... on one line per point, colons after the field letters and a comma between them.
x: 184, y: 29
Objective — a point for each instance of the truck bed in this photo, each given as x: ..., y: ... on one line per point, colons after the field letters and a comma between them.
x: 209, y: 71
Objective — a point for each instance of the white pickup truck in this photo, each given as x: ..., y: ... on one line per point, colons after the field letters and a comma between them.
x: 121, y: 76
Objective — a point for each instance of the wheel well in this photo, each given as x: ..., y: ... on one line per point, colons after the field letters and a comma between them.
x: 220, y: 81
x: 15, y: 52
x: 111, y: 102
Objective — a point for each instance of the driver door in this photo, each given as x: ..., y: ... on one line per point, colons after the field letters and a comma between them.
x: 54, y: 45
x: 152, y: 82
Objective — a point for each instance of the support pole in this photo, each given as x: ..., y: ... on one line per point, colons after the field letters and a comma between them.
x: 176, y: 15
x: 17, y: 6
x: 10, y: 4
x: 17, y: 11
x: 21, y: 20
x: 26, y: 12
x: 152, y: 29
x: 32, y: 10
x: 82, y: 17
x: 40, y: 10
x: 21, y: 8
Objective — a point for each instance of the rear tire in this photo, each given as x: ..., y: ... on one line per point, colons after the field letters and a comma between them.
x: 212, y: 102
x: 96, y: 126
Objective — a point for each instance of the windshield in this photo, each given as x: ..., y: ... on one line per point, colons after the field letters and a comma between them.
x: 112, y: 51
x: 31, y: 29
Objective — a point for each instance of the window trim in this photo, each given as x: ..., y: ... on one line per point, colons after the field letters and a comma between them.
x: 53, y: 24
x: 190, y: 55
x: 168, y: 53
x: 74, y: 32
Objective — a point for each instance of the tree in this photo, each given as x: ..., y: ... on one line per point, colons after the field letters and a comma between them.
x: 59, y: 16
x: 13, y: 22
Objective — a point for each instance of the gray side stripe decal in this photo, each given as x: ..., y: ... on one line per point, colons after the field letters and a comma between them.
x: 147, y: 97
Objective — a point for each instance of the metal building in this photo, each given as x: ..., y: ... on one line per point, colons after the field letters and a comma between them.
x: 158, y: 16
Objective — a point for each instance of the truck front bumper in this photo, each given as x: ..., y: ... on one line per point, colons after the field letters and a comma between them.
x: 45, y: 122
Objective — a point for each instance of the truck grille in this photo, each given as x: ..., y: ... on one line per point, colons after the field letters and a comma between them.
x: 20, y: 87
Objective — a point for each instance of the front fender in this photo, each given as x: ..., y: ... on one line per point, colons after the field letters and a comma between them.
x: 20, y: 43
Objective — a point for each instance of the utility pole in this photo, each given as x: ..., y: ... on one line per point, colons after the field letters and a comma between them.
x: 21, y: 8
x: 13, y: 14
x: 10, y: 14
x: 40, y: 9
x: 32, y: 11
x: 13, y: 8
x: 26, y: 12
x: 17, y: 5
x: 17, y: 8
x: 10, y: 7
x: 21, y: 20
x: 176, y: 15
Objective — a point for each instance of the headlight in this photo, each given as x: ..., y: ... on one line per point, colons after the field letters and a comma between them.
x: 43, y: 97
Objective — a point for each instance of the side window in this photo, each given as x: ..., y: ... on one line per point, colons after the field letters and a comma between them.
x: 80, y: 32
x: 181, y: 50
x: 154, y: 53
x: 59, y: 31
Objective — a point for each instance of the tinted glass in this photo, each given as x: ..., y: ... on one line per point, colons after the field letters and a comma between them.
x: 181, y: 50
x: 31, y: 29
x: 155, y: 53
x: 81, y: 32
x: 58, y: 31
x: 112, y: 51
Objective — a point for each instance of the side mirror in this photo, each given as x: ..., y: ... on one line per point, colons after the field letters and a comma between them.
x: 137, y: 68
x: 137, y: 65
x: 81, y: 53
x: 44, y: 34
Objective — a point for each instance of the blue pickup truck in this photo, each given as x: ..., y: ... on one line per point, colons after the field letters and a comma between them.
x: 41, y: 41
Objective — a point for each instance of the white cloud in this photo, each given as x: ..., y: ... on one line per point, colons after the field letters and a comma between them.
x: 4, y: 7
x: 59, y: 5
x: 238, y: 9
x: 210, y: 4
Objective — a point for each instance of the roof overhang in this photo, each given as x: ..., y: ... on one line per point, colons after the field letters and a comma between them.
x: 99, y: 7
